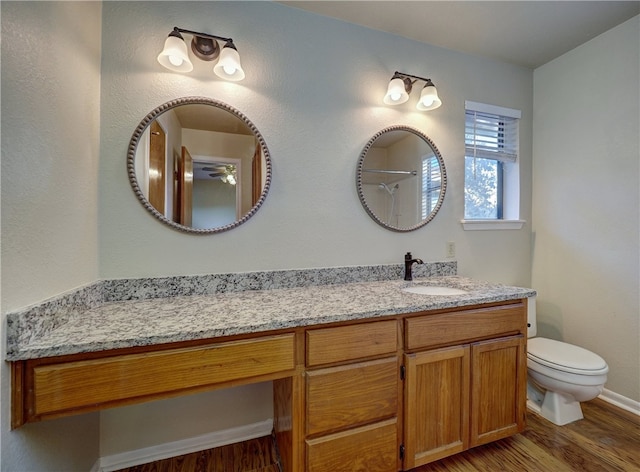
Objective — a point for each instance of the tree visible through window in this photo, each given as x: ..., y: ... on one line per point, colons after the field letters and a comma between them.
x: 482, y: 195
x: 491, y: 143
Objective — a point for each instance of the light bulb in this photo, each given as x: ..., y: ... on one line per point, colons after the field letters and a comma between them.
x: 427, y: 101
x: 228, y: 66
x: 175, y: 60
x: 397, y: 92
x: 174, y: 56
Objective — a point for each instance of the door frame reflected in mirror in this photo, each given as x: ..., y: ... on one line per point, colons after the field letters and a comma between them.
x: 213, y: 166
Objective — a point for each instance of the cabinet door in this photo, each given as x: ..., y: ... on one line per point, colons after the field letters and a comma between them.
x: 436, y: 421
x: 498, y: 398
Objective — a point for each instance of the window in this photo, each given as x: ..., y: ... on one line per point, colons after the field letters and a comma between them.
x: 431, y: 185
x: 491, y: 180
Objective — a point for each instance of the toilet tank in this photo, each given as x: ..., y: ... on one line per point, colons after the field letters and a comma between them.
x: 531, y: 317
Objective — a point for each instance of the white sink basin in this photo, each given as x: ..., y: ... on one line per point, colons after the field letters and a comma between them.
x: 433, y: 290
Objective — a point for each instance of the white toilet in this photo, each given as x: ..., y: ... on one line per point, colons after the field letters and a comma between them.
x: 560, y: 375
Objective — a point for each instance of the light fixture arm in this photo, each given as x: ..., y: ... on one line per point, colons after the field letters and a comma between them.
x: 402, y: 75
x: 202, y: 35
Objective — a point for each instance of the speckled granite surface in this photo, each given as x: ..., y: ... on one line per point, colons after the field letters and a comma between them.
x: 119, y: 314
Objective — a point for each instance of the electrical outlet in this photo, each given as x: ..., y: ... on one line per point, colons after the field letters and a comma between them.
x: 451, y: 249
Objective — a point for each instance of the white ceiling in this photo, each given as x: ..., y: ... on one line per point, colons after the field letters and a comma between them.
x: 527, y: 33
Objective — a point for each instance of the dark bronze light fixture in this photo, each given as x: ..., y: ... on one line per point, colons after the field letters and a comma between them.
x: 205, y: 47
x: 400, y: 87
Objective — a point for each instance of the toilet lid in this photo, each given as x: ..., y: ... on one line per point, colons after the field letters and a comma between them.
x: 565, y: 357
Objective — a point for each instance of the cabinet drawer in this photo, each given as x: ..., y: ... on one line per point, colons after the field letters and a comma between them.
x: 73, y: 385
x: 345, y: 343
x: 371, y: 448
x: 344, y: 396
x: 463, y: 326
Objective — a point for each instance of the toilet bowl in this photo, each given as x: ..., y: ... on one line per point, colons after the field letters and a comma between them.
x: 560, y: 375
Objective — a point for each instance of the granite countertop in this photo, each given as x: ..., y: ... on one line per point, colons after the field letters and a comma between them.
x: 144, y: 322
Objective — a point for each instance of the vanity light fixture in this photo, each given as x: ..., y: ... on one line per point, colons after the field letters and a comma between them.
x: 175, y: 55
x: 400, y: 87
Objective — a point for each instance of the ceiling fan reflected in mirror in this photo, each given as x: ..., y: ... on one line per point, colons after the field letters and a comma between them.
x: 205, y: 171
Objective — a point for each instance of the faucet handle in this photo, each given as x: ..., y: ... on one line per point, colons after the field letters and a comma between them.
x: 408, y: 256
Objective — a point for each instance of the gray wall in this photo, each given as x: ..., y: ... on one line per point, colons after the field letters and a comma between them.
x: 314, y: 89
x: 50, y: 153
x: 586, y: 195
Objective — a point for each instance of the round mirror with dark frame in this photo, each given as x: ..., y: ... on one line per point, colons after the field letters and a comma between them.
x: 199, y: 165
x: 401, y: 178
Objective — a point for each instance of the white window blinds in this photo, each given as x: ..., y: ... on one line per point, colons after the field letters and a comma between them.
x: 431, y: 184
x: 491, y: 132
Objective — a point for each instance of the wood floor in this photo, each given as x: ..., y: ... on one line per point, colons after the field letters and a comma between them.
x: 608, y: 439
x: 255, y: 455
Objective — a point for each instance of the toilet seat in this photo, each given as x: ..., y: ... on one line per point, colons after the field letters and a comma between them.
x: 565, y: 357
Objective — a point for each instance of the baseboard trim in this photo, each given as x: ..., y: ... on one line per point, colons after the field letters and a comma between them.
x: 618, y: 400
x: 183, y: 446
x: 252, y: 431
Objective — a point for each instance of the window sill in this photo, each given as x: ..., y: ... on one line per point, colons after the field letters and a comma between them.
x: 483, y: 225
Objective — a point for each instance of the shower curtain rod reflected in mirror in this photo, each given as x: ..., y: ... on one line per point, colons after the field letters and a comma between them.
x: 384, y: 171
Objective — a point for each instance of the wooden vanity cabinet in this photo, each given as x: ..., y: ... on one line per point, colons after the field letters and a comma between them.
x: 352, y: 390
x: 468, y: 392
x: 371, y: 395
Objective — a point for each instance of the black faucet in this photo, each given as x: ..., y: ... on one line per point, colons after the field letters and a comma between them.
x: 408, y: 263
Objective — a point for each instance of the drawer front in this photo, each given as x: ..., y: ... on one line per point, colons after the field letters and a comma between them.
x: 345, y: 343
x: 65, y: 386
x: 462, y: 326
x: 371, y: 448
x: 341, y: 397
